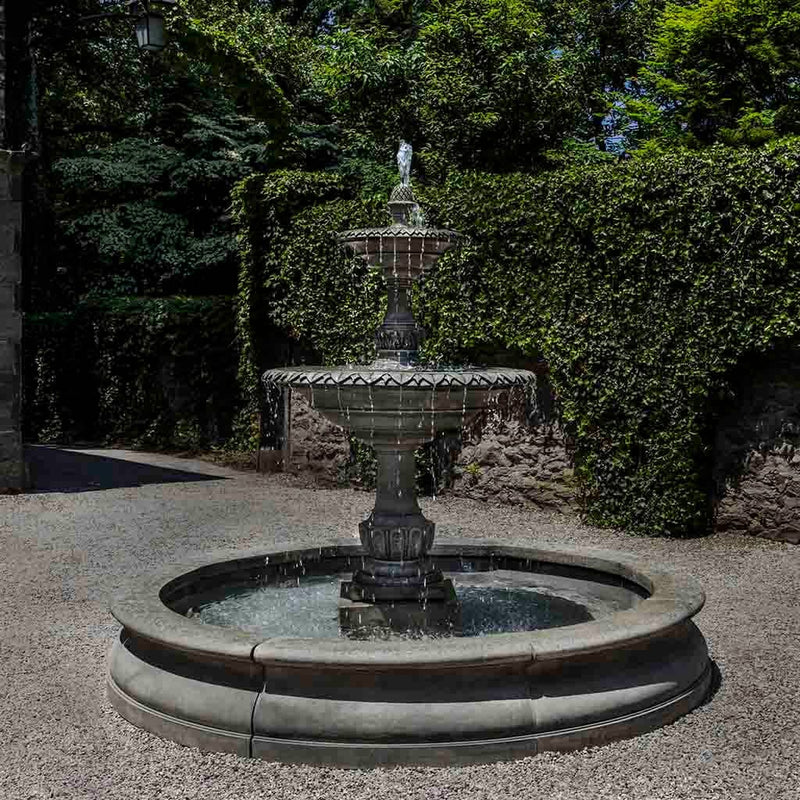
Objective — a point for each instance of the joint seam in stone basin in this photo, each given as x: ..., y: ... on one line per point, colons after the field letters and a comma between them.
x: 258, y: 697
x: 531, y: 703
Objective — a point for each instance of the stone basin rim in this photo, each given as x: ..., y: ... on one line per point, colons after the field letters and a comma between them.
x: 408, y: 377
x: 672, y: 600
x: 400, y: 232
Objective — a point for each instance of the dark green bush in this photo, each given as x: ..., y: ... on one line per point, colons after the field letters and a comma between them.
x: 642, y: 283
x: 294, y: 276
x: 147, y: 372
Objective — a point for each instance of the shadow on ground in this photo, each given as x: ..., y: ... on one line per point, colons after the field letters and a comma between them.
x: 716, y: 683
x: 55, y: 470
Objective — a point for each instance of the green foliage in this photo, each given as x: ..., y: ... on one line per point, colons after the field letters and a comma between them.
x: 295, y: 278
x: 145, y: 217
x: 140, y: 151
x: 490, y: 84
x: 260, y: 59
x: 151, y: 373
x: 727, y: 70
x: 476, y: 83
x: 642, y: 283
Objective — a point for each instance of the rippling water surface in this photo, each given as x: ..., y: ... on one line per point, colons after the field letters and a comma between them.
x: 494, y: 602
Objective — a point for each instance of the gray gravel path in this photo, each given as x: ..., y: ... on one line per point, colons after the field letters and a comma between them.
x: 65, y: 553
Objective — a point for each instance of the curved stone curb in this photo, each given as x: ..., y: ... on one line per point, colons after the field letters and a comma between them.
x: 359, y: 755
x: 461, y: 700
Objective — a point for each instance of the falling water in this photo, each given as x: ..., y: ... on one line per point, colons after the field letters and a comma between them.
x: 404, y: 401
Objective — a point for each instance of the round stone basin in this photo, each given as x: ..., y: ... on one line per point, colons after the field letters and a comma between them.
x: 619, y: 656
x: 409, y: 405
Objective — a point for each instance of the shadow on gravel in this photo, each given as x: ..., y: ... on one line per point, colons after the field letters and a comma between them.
x: 716, y: 682
x: 55, y: 470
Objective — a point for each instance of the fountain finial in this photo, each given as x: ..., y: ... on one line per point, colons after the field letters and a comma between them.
x: 402, y: 203
x: 404, y: 156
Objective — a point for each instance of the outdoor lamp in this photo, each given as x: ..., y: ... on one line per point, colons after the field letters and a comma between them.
x: 149, y: 24
x: 150, y: 31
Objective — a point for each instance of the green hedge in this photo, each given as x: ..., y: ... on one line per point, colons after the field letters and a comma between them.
x: 300, y: 298
x: 147, y: 372
x: 642, y: 283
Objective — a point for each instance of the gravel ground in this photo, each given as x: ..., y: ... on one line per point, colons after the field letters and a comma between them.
x: 109, y: 516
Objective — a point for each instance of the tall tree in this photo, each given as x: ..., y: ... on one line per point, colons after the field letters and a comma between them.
x: 140, y: 150
x: 490, y: 83
x: 726, y: 70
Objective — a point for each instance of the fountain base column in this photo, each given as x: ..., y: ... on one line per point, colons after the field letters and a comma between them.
x: 397, y: 585
x: 414, y: 615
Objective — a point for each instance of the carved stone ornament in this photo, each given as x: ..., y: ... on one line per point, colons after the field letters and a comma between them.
x: 418, y: 377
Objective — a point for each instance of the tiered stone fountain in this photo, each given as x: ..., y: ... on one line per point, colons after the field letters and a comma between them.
x: 399, y: 651
x: 395, y: 406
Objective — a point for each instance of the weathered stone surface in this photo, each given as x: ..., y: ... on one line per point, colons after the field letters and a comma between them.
x: 318, y: 446
x: 502, y: 457
x: 12, y: 472
x: 354, y: 703
x: 511, y: 459
x: 757, y: 453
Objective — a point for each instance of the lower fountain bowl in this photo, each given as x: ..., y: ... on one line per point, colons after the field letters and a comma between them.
x: 336, y: 701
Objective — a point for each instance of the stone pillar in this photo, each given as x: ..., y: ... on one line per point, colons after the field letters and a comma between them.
x: 12, y: 471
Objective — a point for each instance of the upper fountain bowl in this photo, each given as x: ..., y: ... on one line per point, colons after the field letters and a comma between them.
x: 406, y: 248
x: 400, y: 250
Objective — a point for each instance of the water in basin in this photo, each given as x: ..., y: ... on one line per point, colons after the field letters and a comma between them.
x: 500, y: 601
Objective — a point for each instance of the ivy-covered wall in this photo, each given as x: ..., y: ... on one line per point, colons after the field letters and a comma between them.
x: 642, y: 284
x: 147, y: 372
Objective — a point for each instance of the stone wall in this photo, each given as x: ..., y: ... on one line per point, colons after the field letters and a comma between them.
x: 318, y: 447
x: 512, y: 454
x: 757, y: 451
x: 12, y: 475
x: 12, y: 472
x: 509, y: 459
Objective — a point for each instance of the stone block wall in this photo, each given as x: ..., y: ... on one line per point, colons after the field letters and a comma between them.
x: 12, y: 472
x: 506, y: 459
x: 757, y: 451
x: 511, y: 454
x: 318, y: 447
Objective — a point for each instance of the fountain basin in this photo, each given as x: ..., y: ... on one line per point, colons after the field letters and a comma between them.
x: 402, y: 251
x: 460, y: 700
x: 406, y: 406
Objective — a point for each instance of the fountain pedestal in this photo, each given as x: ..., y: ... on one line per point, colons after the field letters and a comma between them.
x: 396, y: 537
x: 412, y: 616
x: 397, y: 586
